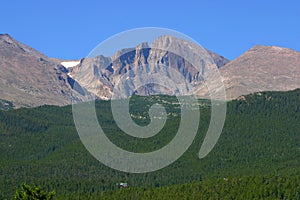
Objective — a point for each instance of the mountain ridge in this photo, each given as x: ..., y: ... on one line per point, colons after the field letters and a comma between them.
x: 30, y: 78
x: 262, y: 68
x: 165, y: 56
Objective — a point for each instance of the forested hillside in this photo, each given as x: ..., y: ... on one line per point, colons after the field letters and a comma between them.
x: 260, y: 144
x: 269, y: 188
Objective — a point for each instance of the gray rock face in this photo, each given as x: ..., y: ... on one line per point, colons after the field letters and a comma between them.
x: 219, y: 60
x: 262, y: 68
x: 148, y: 66
x: 29, y: 78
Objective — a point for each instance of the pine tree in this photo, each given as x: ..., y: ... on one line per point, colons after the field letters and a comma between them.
x: 33, y: 193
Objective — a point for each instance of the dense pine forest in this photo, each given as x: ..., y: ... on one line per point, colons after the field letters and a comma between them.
x: 256, y: 157
x: 235, y: 188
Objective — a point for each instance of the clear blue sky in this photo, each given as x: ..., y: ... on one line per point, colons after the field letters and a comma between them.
x: 71, y: 29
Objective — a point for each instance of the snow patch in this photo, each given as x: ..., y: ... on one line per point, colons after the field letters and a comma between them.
x: 69, y: 74
x: 68, y: 64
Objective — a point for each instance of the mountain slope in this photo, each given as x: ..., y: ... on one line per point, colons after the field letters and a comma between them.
x: 164, y: 57
x: 262, y: 68
x: 29, y: 78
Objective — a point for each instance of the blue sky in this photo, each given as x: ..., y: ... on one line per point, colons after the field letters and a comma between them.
x: 71, y: 29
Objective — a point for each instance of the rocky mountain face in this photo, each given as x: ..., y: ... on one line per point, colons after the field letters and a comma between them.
x: 262, y: 68
x: 29, y: 78
x: 147, y: 66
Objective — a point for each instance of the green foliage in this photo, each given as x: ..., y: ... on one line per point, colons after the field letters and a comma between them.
x: 260, y: 139
x: 233, y: 188
x: 33, y: 193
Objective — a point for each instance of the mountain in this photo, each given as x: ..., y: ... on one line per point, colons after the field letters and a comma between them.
x: 29, y: 78
x: 147, y: 65
x: 262, y: 68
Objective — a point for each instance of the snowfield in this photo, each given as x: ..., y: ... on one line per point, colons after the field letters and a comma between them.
x: 68, y: 64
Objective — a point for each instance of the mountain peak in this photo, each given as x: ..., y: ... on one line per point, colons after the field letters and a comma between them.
x: 143, y: 45
x: 2, y: 35
x: 166, y: 41
x: 8, y: 42
x: 262, y: 68
x: 6, y: 37
x: 270, y: 48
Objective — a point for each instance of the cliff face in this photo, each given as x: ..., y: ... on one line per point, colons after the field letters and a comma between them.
x: 262, y: 68
x: 164, y: 57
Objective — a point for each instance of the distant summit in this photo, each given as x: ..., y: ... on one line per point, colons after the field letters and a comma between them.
x: 262, y: 68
